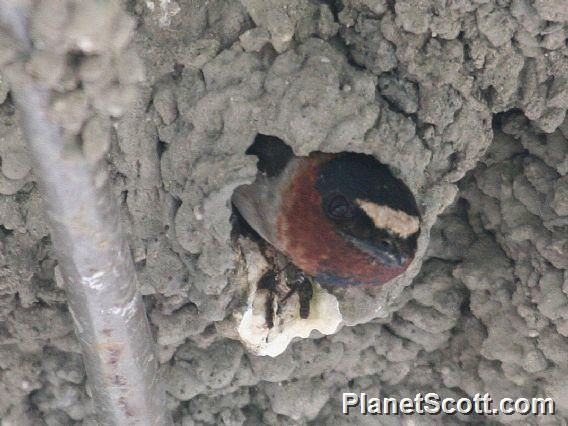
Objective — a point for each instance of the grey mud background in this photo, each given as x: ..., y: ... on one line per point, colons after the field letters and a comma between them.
x: 466, y: 100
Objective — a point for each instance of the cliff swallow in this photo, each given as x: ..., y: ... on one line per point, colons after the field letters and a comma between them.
x: 343, y: 219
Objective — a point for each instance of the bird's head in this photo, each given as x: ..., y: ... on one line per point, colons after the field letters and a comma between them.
x: 369, y: 207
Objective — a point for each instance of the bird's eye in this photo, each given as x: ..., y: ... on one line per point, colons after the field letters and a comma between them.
x: 339, y: 207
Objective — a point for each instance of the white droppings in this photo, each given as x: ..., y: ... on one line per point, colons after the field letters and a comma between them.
x: 261, y: 340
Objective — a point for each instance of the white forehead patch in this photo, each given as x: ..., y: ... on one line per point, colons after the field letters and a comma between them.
x: 392, y: 220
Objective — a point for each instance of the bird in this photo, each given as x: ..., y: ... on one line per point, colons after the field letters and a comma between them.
x: 342, y: 218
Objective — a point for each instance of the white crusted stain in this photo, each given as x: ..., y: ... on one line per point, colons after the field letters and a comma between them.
x: 393, y: 220
x: 264, y: 341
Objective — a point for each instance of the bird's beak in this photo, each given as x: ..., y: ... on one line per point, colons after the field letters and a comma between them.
x: 387, y: 254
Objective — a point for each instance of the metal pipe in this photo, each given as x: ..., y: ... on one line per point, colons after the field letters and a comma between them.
x: 94, y: 258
